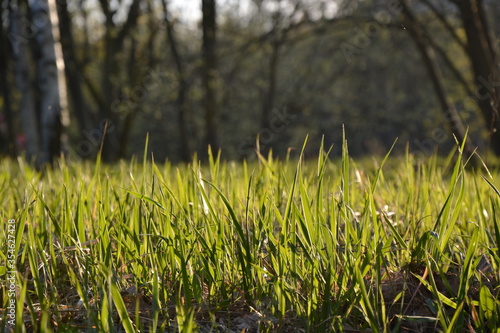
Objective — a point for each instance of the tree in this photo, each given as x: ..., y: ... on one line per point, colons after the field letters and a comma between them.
x: 484, y: 62
x: 182, y: 84
x: 48, y: 85
x: 32, y: 24
x: 19, y: 40
x: 209, y: 73
x: 73, y: 69
x: 257, y: 62
x: 141, y: 63
x: 281, y: 26
x: 426, y: 50
x: 114, y: 39
x: 7, y: 140
x: 481, y: 54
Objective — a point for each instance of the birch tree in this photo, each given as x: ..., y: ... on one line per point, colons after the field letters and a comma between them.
x: 47, y: 82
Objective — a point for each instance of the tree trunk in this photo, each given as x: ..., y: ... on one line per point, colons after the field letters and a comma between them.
x: 19, y: 41
x: 127, y: 118
x: 434, y: 71
x: 181, y: 89
x: 9, y: 141
x: 272, y: 80
x: 48, y: 85
x: 110, y: 92
x: 73, y: 72
x: 114, y: 42
x: 483, y: 60
x: 268, y: 105
x: 210, y: 73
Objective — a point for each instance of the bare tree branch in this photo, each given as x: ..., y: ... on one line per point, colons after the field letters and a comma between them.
x: 427, y: 52
x: 446, y: 24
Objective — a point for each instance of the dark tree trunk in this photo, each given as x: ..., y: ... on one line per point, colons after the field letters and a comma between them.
x: 483, y: 60
x: 272, y: 80
x: 18, y: 38
x: 138, y: 79
x: 268, y: 105
x: 8, y: 138
x: 210, y: 73
x: 127, y: 118
x: 182, y: 87
x: 114, y: 41
x: 72, y: 69
x: 110, y: 92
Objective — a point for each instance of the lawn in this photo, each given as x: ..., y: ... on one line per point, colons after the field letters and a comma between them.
x: 276, y: 245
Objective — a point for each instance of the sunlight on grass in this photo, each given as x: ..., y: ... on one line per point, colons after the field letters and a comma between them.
x: 267, y: 246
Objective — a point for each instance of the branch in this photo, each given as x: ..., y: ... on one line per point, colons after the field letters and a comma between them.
x: 133, y: 14
x: 108, y: 13
x: 446, y: 24
x: 94, y: 91
x: 451, y: 66
x: 424, y: 34
x: 427, y: 52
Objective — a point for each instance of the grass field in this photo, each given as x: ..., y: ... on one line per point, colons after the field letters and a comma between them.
x: 269, y: 246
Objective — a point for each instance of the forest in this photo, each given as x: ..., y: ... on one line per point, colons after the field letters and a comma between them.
x: 79, y: 77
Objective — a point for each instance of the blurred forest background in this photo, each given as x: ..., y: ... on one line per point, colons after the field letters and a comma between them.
x: 78, y: 73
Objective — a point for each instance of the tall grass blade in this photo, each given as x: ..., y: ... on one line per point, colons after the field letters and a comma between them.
x: 122, y: 309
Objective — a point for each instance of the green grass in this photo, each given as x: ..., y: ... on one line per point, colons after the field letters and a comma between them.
x: 270, y: 246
